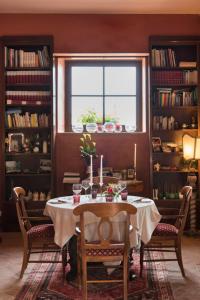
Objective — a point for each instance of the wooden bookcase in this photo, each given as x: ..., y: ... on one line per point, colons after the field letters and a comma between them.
x: 175, y: 93
x: 27, y: 133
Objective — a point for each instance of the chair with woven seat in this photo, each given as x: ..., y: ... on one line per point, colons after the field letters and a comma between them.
x: 37, y: 238
x: 104, y: 249
x: 167, y: 237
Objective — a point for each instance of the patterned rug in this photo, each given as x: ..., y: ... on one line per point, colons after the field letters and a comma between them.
x: 45, y: 282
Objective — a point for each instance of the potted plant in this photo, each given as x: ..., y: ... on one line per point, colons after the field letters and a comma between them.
x: 87, y: 148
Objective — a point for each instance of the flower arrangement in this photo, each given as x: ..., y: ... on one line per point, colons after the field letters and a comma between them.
x: 87, y: 147
x: 110, y: 192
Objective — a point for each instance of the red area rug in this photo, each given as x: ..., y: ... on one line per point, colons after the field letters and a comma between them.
x: 45, y: 283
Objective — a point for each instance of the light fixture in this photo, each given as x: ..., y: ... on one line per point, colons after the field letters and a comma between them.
x: 191, y: 151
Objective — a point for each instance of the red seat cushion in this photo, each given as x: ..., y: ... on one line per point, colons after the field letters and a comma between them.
x: 163, y: 229
x: 44, y: 232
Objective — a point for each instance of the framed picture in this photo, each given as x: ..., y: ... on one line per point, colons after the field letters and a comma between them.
x: 156, y: 144
x: 15, y: 142
x: 45, y: 165
x: 130, y: 174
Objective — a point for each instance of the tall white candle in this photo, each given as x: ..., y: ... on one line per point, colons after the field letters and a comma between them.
x: 101, y: 171
x: 91, y: 171
x: 135, y: 156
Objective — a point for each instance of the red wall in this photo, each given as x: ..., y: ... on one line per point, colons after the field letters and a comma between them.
x: 100, y: 33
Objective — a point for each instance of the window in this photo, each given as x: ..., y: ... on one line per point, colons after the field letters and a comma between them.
x: 104, y: 91
x: 101, y: 87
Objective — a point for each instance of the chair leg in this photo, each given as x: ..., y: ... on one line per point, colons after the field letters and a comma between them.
x: 179, y: 257
x: 64, y: 259
x: 26, y: 256
x: 141, y: 257
x: 125, y: 277
x: 84, y: 279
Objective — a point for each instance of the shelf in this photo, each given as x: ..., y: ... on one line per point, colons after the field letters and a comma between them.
x: 16, y: 129
x: 28, y: 68
x: 26, y: 154
x: 28, y: 174
x: 29, y: 105
x: 176, y: 130
x: 168, y: 153
x: 173, y: 172
x: 29, y: 85
x: 173, y: 68
x: 175, y: 107
x: 182, y: 85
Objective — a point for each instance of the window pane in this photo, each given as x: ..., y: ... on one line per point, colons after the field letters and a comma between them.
x: 83, y: 105
x: 121, y: 109
x: 120, y: 80
x: 87, y: 80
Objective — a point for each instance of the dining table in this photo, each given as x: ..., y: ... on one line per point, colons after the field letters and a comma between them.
x: 60, y: 210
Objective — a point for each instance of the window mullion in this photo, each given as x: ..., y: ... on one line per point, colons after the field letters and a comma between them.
x: 103, y: 94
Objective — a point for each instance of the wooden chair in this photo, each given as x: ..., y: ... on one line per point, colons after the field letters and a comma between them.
x: 167, y: 237
x: 36, y: 239
x: 104, y: 249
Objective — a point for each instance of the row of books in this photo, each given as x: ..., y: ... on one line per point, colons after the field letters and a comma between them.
x: 23, y: 59
x: 163, y: 123
x: 71, y: 177
x: 166, y: 97
x: 175, y: 77
x: 163, y: 58
x: 27, y: 77
x: 14, y: 120
x: 26, y: 103
x: 31, y: 96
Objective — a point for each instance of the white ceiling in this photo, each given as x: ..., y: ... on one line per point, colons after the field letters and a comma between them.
x: 101, y: 6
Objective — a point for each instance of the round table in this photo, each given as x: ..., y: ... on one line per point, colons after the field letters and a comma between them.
x: 60, y: 210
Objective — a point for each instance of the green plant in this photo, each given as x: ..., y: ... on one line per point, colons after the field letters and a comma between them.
x: 90, y: 117
x: 88, y: 147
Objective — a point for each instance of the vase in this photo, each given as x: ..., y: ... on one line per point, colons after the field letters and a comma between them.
x: 109, y: 198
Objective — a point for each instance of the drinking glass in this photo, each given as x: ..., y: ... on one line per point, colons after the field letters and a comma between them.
x: 85, y: 185
x: 76, y: 188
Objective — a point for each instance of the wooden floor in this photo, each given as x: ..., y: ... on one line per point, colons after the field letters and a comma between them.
x: 184, y: 289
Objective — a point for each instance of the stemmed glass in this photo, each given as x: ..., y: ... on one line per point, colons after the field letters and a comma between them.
x: 76, y: 188
x: 85, y: 185
x: 121, y: 185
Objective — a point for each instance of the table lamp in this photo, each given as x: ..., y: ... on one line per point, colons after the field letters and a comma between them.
x: 191, y: 151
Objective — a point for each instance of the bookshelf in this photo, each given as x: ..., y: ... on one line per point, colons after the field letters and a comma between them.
x: 27, y: 133
x: 174, y: 83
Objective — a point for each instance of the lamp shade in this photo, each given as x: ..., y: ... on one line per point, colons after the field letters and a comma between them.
x: 197, y: 149
x: 189, y: 146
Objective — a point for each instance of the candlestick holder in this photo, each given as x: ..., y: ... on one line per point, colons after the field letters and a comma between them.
x: 134, y: 174
x: 101, y: 189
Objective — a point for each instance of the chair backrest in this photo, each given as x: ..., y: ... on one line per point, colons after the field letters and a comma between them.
x: 19, y: 194
x: 184, y: 208
x: 104, y: 211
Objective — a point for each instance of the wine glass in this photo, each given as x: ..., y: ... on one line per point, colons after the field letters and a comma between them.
x: 85, y: 184
x: 121, y: 185
x: 76, y: 188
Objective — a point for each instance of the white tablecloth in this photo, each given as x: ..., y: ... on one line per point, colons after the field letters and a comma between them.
x: 143, y: 222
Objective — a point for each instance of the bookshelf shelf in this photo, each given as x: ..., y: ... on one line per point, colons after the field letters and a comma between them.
x: 175, y: 111
x: 27, y: 73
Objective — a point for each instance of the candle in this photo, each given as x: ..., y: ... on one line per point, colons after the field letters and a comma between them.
x: 91, y: 171
x: 135, y: 156
x: 101, y: 171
